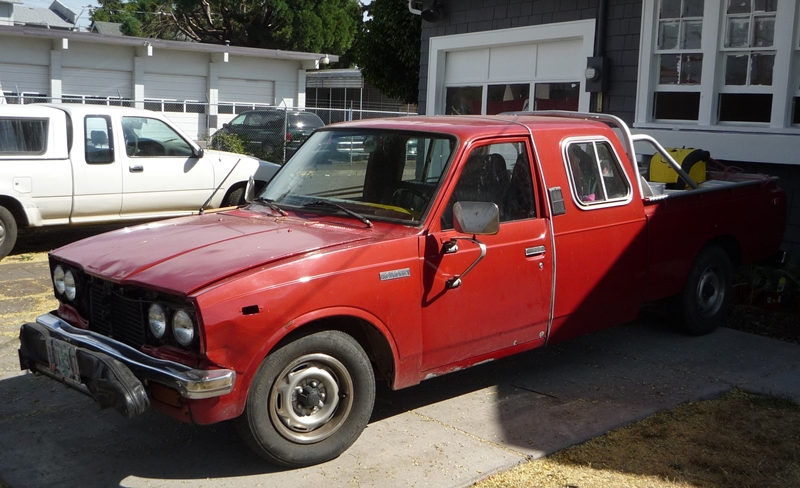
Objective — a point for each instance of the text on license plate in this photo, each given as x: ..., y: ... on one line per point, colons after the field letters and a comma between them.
x: 63, y: 360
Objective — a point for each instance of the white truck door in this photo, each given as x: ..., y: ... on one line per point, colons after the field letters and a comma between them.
x: 160, y: 175
x: 97, y: 174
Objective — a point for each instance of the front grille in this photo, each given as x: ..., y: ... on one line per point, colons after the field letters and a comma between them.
x: 116, y: 316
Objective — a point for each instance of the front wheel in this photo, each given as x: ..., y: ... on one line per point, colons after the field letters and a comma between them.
x: 706, y: 297
x: 309, y: 401
x: 8, y: 232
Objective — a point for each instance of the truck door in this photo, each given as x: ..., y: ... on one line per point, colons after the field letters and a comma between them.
x: 504, y: 301
x: 97, y: 172
x: 159, y: 172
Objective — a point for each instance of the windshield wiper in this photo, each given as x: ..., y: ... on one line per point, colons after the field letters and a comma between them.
x: 271, y: 204
x: 326, y: 203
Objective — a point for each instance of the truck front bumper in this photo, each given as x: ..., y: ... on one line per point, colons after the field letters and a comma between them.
x: 112, y: 373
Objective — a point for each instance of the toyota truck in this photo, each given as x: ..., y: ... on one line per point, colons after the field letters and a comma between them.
x: 68, y: 164
x: 455, y: 241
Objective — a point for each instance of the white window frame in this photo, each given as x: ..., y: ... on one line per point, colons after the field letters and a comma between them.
x: 732, y: 141
x: 440, y: 46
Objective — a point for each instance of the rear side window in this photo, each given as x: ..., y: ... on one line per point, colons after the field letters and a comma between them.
x: 305, y: 121
x: 23, y: 136
x: 595, y: 173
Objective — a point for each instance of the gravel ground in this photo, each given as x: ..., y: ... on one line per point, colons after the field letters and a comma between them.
x: 782, y: 324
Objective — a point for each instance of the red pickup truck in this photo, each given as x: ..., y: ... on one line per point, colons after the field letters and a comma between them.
x: 394, y: 250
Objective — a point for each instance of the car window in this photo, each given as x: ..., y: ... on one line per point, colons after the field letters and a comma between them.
x: 98, y: 147
x: 305, y: 121
x: 146, y: 137
x: 496, y: 173
x: 596, y: 176
x: 19, y: 136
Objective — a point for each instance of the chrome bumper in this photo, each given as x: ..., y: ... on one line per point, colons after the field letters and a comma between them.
x: 93, y: 347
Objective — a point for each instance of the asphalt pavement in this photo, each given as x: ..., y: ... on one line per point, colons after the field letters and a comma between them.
x: 446, y: 432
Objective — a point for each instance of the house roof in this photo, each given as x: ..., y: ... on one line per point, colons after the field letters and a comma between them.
x: 106, y: 28
x: 39, y: 17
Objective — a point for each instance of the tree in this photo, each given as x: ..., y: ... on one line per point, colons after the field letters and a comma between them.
x: 387, y: 49
x: 327, y: 26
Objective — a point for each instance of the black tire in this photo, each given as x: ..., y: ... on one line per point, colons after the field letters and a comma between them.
x: 8, y: 232
x: 278, y: 423
x: 706, y: 297
x: 234, y: 198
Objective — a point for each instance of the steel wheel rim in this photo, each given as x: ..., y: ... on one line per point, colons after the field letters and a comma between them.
x: 2, y: 232
x: 316, y: 379
x: 710, y: 293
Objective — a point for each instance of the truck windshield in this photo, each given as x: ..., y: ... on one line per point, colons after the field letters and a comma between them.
x: 380, y: 174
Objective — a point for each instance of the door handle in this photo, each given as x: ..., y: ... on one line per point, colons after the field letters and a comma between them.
x: 534, y: 251
x: 135, y: 169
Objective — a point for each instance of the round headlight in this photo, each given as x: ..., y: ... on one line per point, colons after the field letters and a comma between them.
x: 70, y: 290
x: 157, y: 319
x: 182, y: 327
x: 58, y: 279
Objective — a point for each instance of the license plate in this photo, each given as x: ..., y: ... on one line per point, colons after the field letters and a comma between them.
x: 63, y: 360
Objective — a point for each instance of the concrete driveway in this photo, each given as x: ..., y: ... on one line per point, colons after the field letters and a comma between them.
x: 445, y: 432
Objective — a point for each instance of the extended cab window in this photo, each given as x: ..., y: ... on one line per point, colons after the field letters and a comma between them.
x: 595, y: 174
x: 498, y: 173
x: 23, y: 136
x: 148, y: 137
x: 99, y: 148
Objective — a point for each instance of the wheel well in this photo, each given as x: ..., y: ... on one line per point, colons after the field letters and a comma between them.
x: 233, y: 188
x: 374, y: 343
x: 731, y: 246
x: 16, y: 210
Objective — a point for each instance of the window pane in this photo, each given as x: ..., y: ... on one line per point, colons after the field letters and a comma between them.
x: 613, y: 179
x: 507, y: 98
x: 670, y: 9
x: 586, y: 185
x: 736, y: 69
x: 23, y: 136
x: 761, y: 68
x: 692, y: 34
x: 738, y: 33
x: 668, y: 35
x: 796, y: 111
x: 765, y: 5
x: 763, y: 31
x: 691, y: 69
x: 745, y: 107
x: 463, y: 100
x: 557, y: 96
x: 739, y: 6
x: 669, y: 69
x: 676, y: 105
x: 98, y: 149
x: 693, y: 8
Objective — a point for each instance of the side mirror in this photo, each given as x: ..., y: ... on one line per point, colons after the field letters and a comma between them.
x: 198, y: 152
x: 476, y: 218
x: 250, y: 190
x: 226, y: 125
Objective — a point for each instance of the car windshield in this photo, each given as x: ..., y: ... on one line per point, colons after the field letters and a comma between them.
x: 379, y: 174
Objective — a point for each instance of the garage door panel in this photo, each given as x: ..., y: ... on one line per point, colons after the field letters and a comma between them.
x: 101, y: 83
x: 239, y: 90
x: 25, y: 78
x: 550, y: 61
x: 467, y: 66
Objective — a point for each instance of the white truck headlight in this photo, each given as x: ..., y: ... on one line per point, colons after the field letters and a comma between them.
x: 58, y: 279
x: 183, y: 327
x: 70, y: 290
x: 157, y: 320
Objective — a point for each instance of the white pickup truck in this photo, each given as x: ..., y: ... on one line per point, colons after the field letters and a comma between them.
x: 64, y: 164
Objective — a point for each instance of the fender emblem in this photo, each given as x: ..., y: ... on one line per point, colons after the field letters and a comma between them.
x: 395, y: 274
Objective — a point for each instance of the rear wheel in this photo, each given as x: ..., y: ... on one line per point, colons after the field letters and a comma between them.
x: 8, y: 232
x: 235, y: 197
x: 309, y: 401
x: 706, y: 297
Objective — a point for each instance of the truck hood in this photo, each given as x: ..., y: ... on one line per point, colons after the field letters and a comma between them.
x: 183, y: 255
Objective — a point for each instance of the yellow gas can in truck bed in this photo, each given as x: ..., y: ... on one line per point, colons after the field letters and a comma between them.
x: 693, y: 161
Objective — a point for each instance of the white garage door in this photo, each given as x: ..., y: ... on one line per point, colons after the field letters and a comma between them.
x: 238, y: 90
x: 23, y: 78
x: 174, y: 94
x: 97, y: 83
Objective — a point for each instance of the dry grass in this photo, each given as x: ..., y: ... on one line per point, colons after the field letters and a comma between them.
x: 737, y: 441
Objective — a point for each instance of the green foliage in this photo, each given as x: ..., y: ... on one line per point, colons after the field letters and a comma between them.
x: 326, y: 26
x: 225, y: 141
x: 387, y: 49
